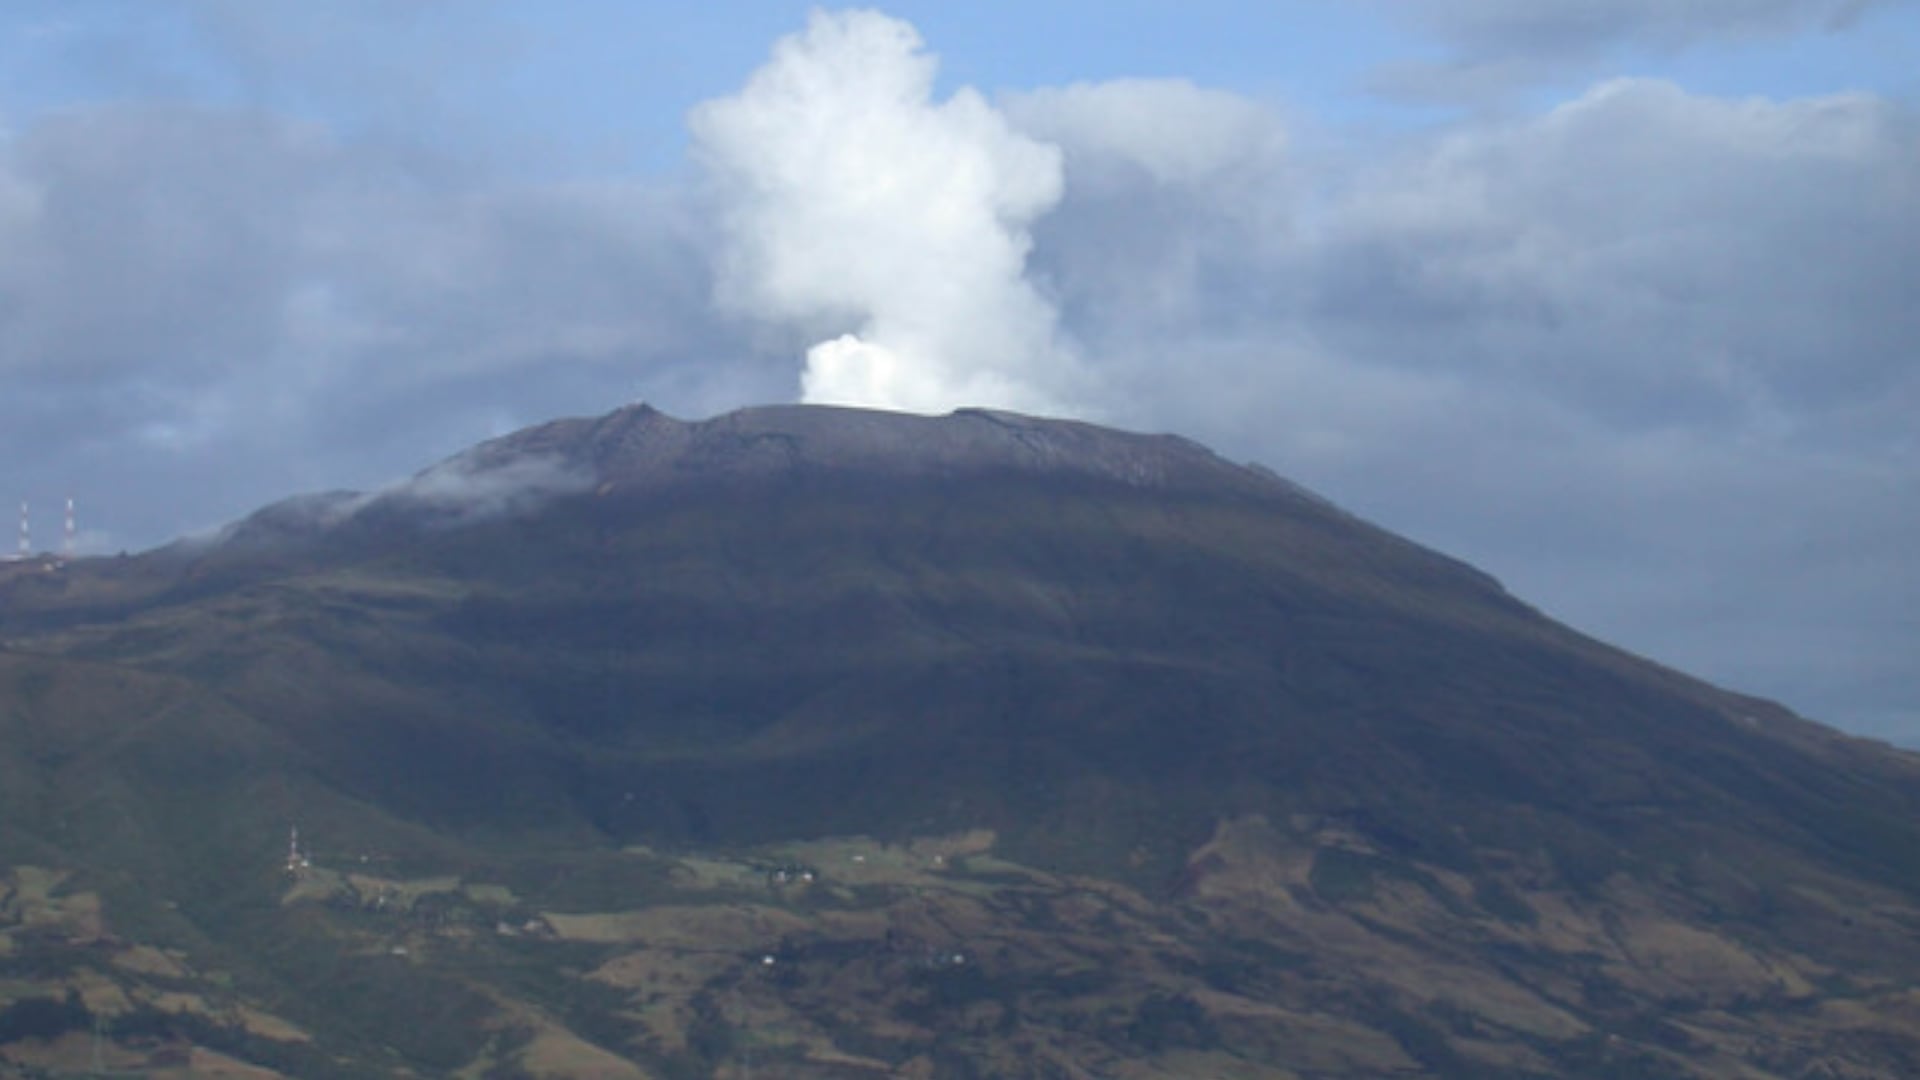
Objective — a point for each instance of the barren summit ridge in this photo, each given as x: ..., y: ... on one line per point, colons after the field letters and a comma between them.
x: 640, y: 452
x: 641, y: 446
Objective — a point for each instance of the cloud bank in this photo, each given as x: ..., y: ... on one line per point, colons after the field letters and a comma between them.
x: 1646, y: 355
x: 191, y: 290
x: 855, y: 202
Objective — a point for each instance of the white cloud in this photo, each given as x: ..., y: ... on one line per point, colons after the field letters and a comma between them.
x: 895, y: 225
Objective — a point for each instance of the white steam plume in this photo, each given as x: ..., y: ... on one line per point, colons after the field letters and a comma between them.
x: 851, y: 197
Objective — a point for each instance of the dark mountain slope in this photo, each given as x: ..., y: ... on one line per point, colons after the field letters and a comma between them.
x: 1121, y: 656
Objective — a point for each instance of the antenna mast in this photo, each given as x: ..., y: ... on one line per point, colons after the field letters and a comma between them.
x: 297, y: 860
x: 26, y: 537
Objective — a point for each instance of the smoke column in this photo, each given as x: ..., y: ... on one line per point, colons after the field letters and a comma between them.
x: 853, y: 200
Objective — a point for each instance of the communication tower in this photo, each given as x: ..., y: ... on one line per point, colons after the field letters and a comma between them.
x: 69, y: 539
x: 26, y: 535
x: 297, y: 861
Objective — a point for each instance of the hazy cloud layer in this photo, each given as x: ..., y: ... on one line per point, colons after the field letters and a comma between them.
x: 1587, y: 26
x: 1498, y: 44
x: 1646, y: 355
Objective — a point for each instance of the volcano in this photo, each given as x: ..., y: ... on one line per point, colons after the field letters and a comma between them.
x: 849, y: 743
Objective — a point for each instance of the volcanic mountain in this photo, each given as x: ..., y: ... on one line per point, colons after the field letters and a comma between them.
x: 857, y: 744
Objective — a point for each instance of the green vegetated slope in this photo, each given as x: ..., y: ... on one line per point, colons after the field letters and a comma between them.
x: 1099, y: 756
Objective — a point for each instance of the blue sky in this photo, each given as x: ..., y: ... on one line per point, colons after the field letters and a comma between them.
x: 1613, y: 298
x: 607, y: 83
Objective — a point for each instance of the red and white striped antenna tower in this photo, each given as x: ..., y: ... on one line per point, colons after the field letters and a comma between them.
x: 68, y: 539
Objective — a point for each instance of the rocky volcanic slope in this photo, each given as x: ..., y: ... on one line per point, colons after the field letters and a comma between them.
x: 839, y: 743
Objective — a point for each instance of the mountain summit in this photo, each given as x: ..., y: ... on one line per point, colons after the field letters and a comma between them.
x: 639, y: 449
x: 639, y: 446
x: 937, y: 746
